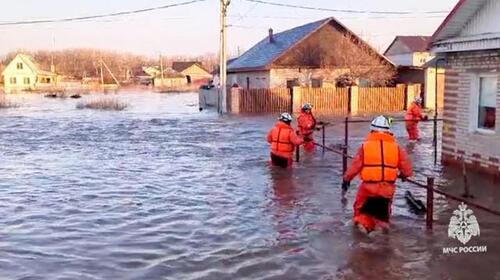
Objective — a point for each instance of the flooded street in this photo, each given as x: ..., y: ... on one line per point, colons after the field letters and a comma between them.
x: 162, y: 191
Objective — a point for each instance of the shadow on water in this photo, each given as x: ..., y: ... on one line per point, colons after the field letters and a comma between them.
x: 162, y: 191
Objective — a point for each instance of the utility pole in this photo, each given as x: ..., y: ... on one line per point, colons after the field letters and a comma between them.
x: 102, y: 73
x: 161, y: 70
x: 223, y: 56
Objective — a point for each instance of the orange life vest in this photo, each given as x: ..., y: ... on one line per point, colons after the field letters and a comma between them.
x: 281, y: 139
x: 380, y: 158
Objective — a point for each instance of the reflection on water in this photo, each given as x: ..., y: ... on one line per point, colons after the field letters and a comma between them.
x: 162, y: 191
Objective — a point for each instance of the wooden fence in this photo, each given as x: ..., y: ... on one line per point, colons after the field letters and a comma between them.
x: 381, y: 99
x: 265, y: 100
x: 326, y: 100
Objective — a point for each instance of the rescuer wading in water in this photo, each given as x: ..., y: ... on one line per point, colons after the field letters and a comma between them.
x: 377, y: 162
x: 283, y: 140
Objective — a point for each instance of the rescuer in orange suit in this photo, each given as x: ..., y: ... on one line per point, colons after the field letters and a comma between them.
x: 413, y: 116
x: 377, y: 162
x: 283, y: 140
x: 307, y: 125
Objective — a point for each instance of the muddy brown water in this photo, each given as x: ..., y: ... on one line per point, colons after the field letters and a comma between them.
x: 162, y: 191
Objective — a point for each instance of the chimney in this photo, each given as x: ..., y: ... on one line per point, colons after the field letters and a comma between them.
x: 271, y: 37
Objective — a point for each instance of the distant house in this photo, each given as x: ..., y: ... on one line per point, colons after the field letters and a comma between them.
x: 193, y: 71
x: 144, y: 75
x: 409, y: 51
x: 23, y: 74
x: 170, y: 79
x: 469, y: 41
x: 314, y: 54
x: 413, y: 59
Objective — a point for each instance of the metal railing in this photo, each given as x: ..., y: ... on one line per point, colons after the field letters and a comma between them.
x: 429, y: 185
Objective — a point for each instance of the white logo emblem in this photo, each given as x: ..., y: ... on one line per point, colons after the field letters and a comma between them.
x: 463, y: 224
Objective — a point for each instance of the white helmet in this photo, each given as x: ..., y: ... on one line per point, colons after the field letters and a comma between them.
x: 418, y: 100
x: 307, y: 106
x: 285, y: 117
x: 381, y: 124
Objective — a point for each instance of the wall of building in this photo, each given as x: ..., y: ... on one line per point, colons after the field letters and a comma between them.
x: 258, y: 79
x: 430, y: 87
x: 305, y: 77
x: 402, y: 59
x: 421, y: 58
x: 461, y: 138
x: 196, y: 73
x: 11, y: 71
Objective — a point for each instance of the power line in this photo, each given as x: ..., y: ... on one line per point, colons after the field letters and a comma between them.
x: 342, y: 10
x: 341, y: 17
x: 101, y: 16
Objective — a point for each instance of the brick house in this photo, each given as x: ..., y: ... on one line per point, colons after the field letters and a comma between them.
x: 312, y: 55
x: 469, y: 40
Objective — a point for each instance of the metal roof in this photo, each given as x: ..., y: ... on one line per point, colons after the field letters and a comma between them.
x: 265, y: 52
x: 412, y: 43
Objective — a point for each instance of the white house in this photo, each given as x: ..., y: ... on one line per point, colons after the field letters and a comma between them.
x: 23, y: 74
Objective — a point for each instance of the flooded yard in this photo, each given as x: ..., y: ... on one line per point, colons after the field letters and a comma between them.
x: 162, y: 191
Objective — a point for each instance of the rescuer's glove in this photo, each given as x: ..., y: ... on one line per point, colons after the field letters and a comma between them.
x: 345, y: 186
x: 402, y: 177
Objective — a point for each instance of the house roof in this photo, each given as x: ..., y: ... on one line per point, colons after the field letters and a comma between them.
x: 457, y: 19
x: 412, y: 43
x: 180, y: 66
x: 265, y: 52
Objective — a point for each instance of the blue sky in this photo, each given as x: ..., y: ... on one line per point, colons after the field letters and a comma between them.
x: 193, y: 29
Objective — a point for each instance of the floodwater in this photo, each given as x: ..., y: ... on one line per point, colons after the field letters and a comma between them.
x: 162, y: 191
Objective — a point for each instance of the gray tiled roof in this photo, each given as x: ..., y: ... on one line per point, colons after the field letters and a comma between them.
x: 266, y: 52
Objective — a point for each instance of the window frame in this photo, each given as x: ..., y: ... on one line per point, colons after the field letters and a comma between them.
x: 476, y: 95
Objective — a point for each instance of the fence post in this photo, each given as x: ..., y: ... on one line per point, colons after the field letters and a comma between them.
x: 467, y: 193
x: 323, y: 138
x: 405, y: 106
x: 434, y: 140
x: 297, y: 153
x: 430, y: 202
x: 296, y: 99
x: 349, y: 99
x: 344, y: 149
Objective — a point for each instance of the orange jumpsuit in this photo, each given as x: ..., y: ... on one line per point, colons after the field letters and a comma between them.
x: 306, y: 125
x: 283, y: 140
x: 413, y: 116
x: 377, y: 162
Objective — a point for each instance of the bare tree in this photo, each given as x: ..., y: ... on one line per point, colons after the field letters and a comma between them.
x: 344, y: 52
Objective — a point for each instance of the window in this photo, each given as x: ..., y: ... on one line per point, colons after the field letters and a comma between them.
x: 316, y: 83
x: 19, y: 66
x: 26, y: 80
x: 13, y: 80
x: 487, y: 102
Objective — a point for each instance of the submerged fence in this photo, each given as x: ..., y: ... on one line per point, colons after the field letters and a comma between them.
x: 333, y: 100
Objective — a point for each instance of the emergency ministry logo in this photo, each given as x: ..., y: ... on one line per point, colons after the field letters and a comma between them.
x: 463, y: 224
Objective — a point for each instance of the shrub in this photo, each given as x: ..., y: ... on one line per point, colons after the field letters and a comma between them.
x: 102, y: 104
x: 6, y: 103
